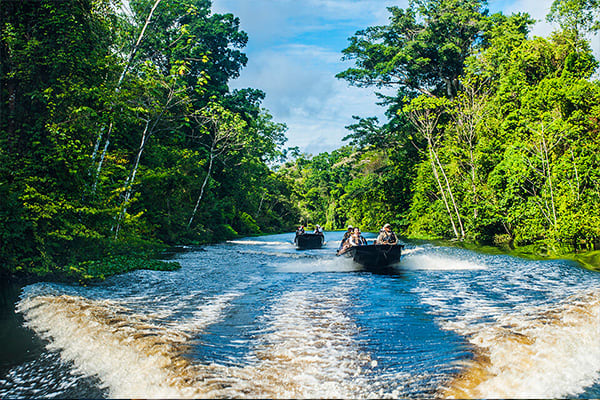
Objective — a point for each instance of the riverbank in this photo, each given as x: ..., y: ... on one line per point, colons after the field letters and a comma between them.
x: 586, y: 259
x: 150, y: 256
x: 92, y: 271
x: 590, y: 260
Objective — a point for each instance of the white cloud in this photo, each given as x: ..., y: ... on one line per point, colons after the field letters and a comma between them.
x: 375, y: 11
x: 294, y: 53
x: 288, y: 77
x: 301, y: 91
x: 321, y: 126
x: 537, y: 9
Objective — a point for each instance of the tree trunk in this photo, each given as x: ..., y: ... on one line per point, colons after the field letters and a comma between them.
x: 137, y: 44
x: 549, y: 177
x: 262, y: 198
x: 129, y: 182
x: 97, y: 144
x: 473, y: 173
x: 460, y: 224
x: 118, y: 88
x: 206, y: 178
x: 437, y: 178
x: 102, y: 159
x: 576, y: 176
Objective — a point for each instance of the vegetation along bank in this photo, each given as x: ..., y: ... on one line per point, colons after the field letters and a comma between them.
x: 119, y: 134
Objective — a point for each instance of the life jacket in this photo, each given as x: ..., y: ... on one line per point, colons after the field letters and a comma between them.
x: 388, y: 237
x: 360, y: 239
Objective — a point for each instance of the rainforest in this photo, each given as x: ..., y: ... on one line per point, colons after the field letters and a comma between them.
x: 120, y: 135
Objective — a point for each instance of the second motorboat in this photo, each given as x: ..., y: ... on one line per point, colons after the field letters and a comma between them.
x: 309, y: 241
x: 373, y: 255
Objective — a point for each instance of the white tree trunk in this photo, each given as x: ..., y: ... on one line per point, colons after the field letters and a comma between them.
x: 437, y: 179
x: 97, y: 144
x: 101, y: 159
x: 118, y: 88
x: 206, y: 178
x: 136, y: 47
x: 462, y: 231
x: 262, y: 198
x: 578, y: 191
x: 549, y: 177
x: 128, y: 187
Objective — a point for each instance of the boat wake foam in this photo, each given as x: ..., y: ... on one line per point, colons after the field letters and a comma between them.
x: 306, y: 349
x: 259, y: 243
x: 539, y: 352
x: 418, y: 260
x: 132, y: 354
x: 311, y: 264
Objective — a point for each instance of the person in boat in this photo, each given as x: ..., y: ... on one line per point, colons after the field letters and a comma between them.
x: 357, y: 239
x: 386, y: 236
x: 300, y: 230
x: 347, y: 234
x: 318, y: 230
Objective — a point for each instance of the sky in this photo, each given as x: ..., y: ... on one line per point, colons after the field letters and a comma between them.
x: 294, y: 52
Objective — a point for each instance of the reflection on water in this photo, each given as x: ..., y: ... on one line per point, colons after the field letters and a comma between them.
x: 17, y: 342
x: 258, y: 318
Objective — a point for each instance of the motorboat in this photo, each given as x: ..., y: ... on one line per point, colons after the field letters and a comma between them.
x: 373, y: 255
x: 309, y: 241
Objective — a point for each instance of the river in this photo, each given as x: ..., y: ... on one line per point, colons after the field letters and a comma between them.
x: 255, y: 318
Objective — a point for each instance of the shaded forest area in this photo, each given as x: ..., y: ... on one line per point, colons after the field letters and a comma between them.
x: 493, y: 136
x: 119, y: 135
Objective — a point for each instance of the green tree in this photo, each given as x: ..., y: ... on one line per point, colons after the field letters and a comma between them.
x: 421, y: 51
x: 55, y: 56
x: 103, y: 147
x: 580, y: 16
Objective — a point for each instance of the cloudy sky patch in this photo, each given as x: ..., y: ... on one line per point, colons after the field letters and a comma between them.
x: 294, y: 53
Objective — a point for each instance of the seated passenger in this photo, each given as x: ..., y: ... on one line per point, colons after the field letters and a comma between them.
x: 347, y: 234
x: 386, y: 236
x: 357, y: 239
x: 318, y: 230
x: 300, y: 230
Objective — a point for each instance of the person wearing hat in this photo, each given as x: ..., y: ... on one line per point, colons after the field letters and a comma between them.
x: 318, y: 230
x: 347, y: 234
x: 386, y: 236
x: 357, y: 239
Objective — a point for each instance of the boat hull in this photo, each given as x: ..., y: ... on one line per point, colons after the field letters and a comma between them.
x: 309, y: 241
x: 374, y: 255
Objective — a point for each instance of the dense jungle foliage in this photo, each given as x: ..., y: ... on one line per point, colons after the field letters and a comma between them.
x: 119, y: 133
x: 492, y: 136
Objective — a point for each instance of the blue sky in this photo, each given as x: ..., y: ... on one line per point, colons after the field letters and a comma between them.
x: 294, y: 52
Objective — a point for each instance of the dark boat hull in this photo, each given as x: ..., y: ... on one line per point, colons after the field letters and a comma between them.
x: 309, y: 241
x: 374, y: 255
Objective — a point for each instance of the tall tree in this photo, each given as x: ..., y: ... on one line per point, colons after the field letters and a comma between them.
x: 55, y: 58
x: 425, y: 113
x: 581, y: 16
x: 161, y: 95
x: 421, y: 51
x: 130, y: 58
x: 224, y: 131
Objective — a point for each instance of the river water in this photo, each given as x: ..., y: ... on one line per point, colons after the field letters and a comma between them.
x: 255, y: 318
